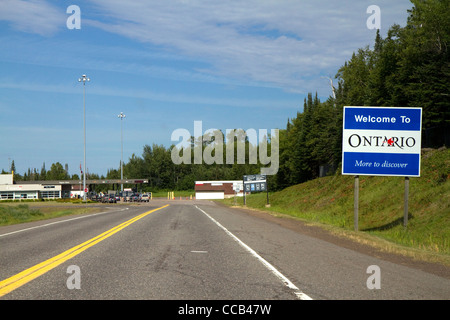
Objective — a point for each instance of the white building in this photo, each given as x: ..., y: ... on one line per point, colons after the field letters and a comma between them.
x: 218, y: 189
x: 11, y: 191
x: 53, y: 189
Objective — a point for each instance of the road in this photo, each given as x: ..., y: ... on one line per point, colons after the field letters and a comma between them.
x: 194, y: 250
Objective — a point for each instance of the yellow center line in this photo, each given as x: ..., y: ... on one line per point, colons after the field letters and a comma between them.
x: 29, y: 274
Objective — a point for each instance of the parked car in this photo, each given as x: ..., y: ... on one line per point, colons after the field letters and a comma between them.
x: 96, y: 197
x: 135, y: 197
x: 105, y: 198
x: 145, y: 197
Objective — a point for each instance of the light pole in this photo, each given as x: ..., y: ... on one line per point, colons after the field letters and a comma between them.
x: 84, y: 79
x: 121, y: 116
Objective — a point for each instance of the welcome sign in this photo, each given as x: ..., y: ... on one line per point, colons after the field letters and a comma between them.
x: 381, y: 141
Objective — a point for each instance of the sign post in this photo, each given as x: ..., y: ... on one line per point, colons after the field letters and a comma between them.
x: 237, y: 189
x: 405, y: 207
x: 356, y: 203
x: 381, y: 141
x: 245, y: 190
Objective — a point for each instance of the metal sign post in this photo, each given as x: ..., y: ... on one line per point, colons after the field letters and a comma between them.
x: 244, y: 190
x: 356, y: 203
x: 406, y: 196
x: 236, y: 189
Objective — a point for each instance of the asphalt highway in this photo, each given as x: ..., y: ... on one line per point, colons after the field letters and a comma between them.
x: 193, y: 250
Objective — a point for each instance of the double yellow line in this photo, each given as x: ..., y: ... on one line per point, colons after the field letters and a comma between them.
x: 29, y: 274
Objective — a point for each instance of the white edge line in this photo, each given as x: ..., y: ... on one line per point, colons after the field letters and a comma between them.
x: 286, y: 281
x: 56, y: 222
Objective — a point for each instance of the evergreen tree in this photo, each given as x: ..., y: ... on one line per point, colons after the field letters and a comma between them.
x: 57, y: 172
x: 43, y: 173
x: 12, y: 168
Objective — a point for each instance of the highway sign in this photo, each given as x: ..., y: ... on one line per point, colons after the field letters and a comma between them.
x: 255, y: 183
x: 237, y: 186
x: 381, y: 141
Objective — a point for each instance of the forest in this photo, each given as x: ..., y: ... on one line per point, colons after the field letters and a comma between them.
x: 410, y: 67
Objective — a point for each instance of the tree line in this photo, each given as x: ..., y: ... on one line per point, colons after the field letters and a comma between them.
x: 408, y: 68
x: 56, y: 172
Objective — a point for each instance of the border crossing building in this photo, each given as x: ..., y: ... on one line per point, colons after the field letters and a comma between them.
x: 52, y: 189
x: 218, y: 189
x: 15, y: 191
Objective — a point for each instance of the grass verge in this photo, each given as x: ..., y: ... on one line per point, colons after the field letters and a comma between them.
x: 177, y: 194
x: 20, y: 213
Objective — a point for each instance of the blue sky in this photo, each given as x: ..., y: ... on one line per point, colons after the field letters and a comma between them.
x: 165, y: 64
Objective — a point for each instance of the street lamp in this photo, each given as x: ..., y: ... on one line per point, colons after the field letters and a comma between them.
x: 84, y: 79
x: 121, y: 116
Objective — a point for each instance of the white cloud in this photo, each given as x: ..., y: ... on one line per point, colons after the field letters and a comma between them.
x: 33, y: 16
x: 147, y: 94
x: 287, y: 44
x: 282, y: 43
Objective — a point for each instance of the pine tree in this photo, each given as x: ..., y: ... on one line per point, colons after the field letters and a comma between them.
x: 43, y: 173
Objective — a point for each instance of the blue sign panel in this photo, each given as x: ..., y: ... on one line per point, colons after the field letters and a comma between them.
x: 381, y: 141
x: 379, y: 118
x: 255, y: 183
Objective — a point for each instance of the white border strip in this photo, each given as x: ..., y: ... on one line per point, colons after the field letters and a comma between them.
x: 278, y: 274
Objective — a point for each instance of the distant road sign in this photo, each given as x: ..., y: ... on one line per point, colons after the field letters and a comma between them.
x: 255, y: 183
x: 237, y: 186
x: 381, y: 141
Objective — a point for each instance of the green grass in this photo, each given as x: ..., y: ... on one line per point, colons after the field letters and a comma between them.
x: 329, y: 201
x: 181, y: 193
x: 19, y: 213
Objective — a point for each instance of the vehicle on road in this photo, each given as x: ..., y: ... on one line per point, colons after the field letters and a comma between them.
x: 96, y: 197
x: 145, y: 197
x: 109, y: 198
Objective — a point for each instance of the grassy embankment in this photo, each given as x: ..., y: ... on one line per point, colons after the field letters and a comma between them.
x: 329, y: 202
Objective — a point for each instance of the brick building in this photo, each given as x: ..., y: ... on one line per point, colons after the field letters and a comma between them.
x: 218, y: 189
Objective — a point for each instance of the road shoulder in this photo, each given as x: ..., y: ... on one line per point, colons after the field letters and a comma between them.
x: 344, y: 240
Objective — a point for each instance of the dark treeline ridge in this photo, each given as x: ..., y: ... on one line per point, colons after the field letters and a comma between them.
x: 409, y: 68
